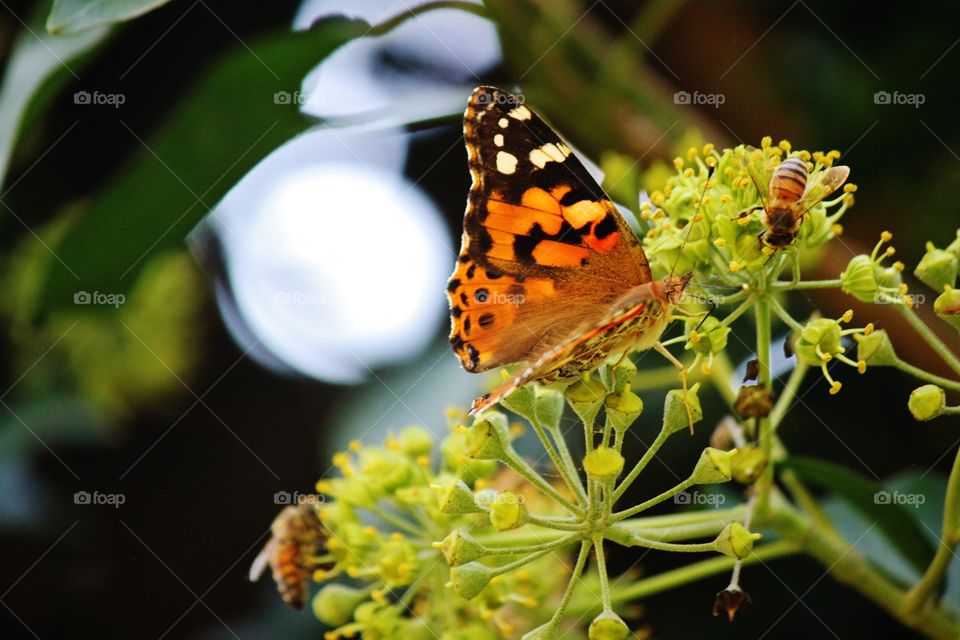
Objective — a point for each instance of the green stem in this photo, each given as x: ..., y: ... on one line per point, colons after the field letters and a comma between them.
x: 848, y: 566
x: 720, y: 375
x: 553, y: 523
x: 694, y: 571
x: 519, y: 465
x: 533, y: 548
x: 926, y: 376
x: 932, y: 579
x: 680, y: 519
x: 950, y: 411
x: 585, y: 547
x: 736, y: 313
x: 763, y: 320
x: 806, y: 284
x: 388, y: 25
x: 602, y: 573
x: 640, y: 466
x: 785, y: 401
x: 572, y: 481
x: 683, y: 532
x: 929, y: 336
x: 784, y: 315
x: 569, y: 463
x: 643, y: 506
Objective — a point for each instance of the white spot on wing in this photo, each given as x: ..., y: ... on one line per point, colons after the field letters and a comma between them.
x: 498, y: 139
x: 520, y: 113
x: 506, y: 162
x: 504, y: 123
x: 549, y: 152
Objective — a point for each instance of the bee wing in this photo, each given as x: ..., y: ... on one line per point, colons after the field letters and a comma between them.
x: 822, y: 185
x: 754, y: 161
x: 262, y: 560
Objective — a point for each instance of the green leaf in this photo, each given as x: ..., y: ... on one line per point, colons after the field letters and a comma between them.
x: 71, y: 16
x: 226, y: 125
x: 895, y: 520
x: 37, y: 59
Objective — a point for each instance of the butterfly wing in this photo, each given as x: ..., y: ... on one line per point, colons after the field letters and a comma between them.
x: 544, y: 250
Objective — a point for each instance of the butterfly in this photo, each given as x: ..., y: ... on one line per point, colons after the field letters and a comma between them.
x: 549, y: 273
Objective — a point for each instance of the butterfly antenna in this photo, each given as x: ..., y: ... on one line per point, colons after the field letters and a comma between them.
x: 693, y: 219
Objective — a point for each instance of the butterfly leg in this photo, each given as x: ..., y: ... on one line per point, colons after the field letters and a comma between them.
x: 662, y: 350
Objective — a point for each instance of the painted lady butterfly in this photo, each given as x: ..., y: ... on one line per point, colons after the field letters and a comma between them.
x: 549, y: 272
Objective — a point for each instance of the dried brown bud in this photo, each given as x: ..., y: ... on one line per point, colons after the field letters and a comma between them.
x: 730, y: 601
x: 754, y: 401
x: 753, y: 371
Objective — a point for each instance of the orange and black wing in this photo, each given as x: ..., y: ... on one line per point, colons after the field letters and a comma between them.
x: 544, y: 250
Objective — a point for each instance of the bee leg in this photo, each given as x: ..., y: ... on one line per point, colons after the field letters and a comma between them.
x: 662, y: 350
x: 747, y: 212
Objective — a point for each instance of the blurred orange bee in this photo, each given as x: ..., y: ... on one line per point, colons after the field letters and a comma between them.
x: 297, y: 536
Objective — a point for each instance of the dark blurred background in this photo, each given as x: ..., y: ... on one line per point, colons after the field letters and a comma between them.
x: 196, y: 402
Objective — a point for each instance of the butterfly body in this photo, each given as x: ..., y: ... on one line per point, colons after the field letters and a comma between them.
x: 549, y: 272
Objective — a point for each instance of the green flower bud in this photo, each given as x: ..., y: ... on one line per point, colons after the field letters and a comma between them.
x: 470, y: 579
x: 711, y: 337
x: 397, y: 563
x: 507, y: 511
x: 859, y: 279
x: 875, y: 349
x: 714, y: 466
x: 927, y: 402
x: 335, y: 603
x: 459, y: 547
x: 488, y: 439
x: 603, y: 463
x: 748, y: 464
x: 818, y: 338
x: 623, y: 409
x: 456, y: 499
x: 608, y: 626
x: 370, y: 613
x: 675, y: 415
x: 456, y: 460
x: 954, y: 247
x: 736, y: 541
x: 548, y: 407
x: 543, y: 632
x: 522, y: 401
x: 415, y: 441
x: 947, y: 306
x: 937, y: 268
x: 586, y: 397
x: 385, y: 470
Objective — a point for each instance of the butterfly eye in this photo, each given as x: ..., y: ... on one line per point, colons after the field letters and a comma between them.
x: 481, y: 296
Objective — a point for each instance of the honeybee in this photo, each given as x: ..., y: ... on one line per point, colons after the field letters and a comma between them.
x: 297, y: 537
x: 789, y: 195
